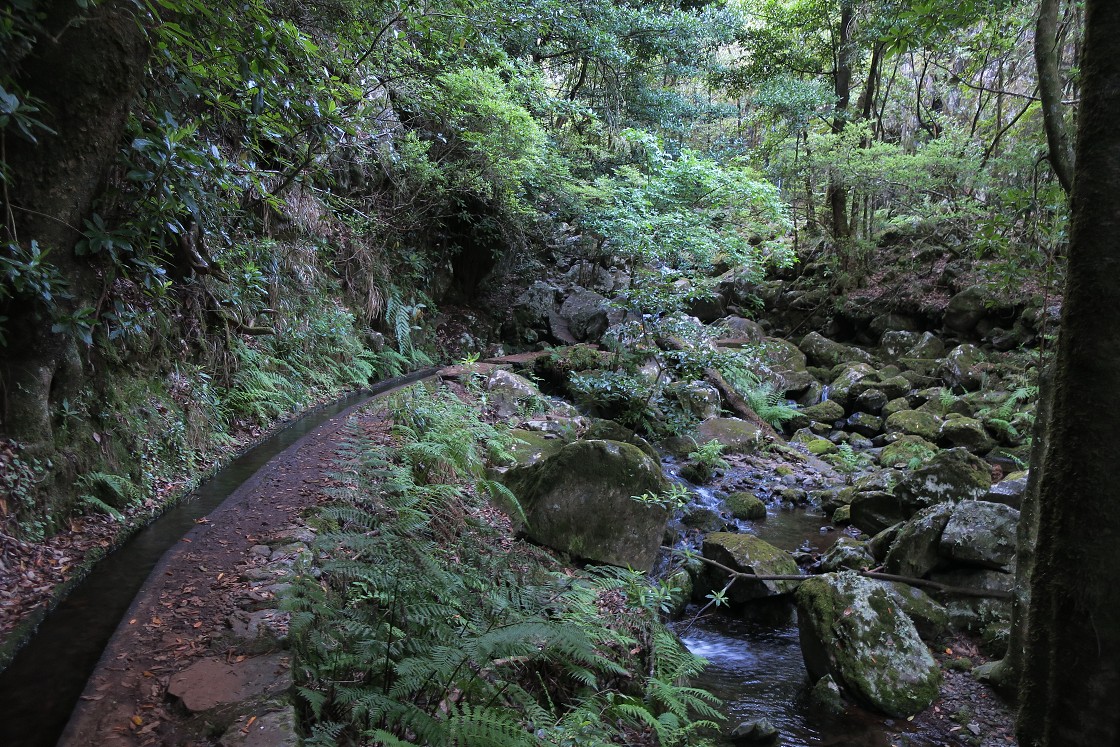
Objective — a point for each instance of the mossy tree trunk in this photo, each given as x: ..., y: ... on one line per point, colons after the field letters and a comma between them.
x: 86, y: 69
x: 1071, y: 682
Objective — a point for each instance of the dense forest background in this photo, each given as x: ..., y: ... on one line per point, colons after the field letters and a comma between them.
x: 217, y: 217
x: 213, y: 217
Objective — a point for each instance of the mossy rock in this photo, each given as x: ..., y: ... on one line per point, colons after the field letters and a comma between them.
x: 813, y: 443
x: 679, y: 583
x: 875, y: 510
x: 530, y: 447
x: 981, y: 533
x: 967, y: 432
x: 951, y: 475
x: 854, y: 630
x: 842, y: 515
x: 737, y: 436
x: 745, y: 506
x: 610, y: 430
x: 894, y: 386
x: 915, y: 423
x: 745, y: 553
x: 930, y: 618
x: 822, y: 412
x: 840, y: 390
x: 821, y: 351
x: 702, y: 518
x: 580, y: 501
x: 847, y: 553
x: 897, y: 404
x: 929, y: 347
x: 916, y: 550
x: 905, y: 449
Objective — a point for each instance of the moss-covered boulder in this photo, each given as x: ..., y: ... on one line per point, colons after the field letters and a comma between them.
x: 930, y: 618
x: 585, y: 313
x: 951, y: 475
x: 968, y: 433
x: 828, y: 411
x: 611, y: 430
x: 875, y: 510
x: 847, y: 553
x: 975, y: 613
x: 735, y: 435
x: 579, y: 501
x: 745, y: 506
x: 508, y: 392
x: 898, y: 404
x: 854, y: 630
x: 895, y: 342
x: 745, y: 553
x: 840, y: 390
x: 905, y: 449
x: 981, y: 533
x: 821, y: 351
x: 915, y: 423
x: 916, y: 549
x: 928, y: 346
x: 865, y: 424
x: 960, y: 368
x: 812, y: 443
x: 530, y: 447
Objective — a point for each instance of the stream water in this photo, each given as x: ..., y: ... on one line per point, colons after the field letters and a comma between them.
x: 754, y: 658
x: 39, y: 689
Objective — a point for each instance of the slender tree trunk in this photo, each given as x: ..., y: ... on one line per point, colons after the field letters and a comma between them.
x: 1047, y: 55
x: 1071, y: 683
x: 86, y: 72
x: 842, y: 84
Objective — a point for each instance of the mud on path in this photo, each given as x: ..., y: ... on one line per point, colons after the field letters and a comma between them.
x: 213, y: 577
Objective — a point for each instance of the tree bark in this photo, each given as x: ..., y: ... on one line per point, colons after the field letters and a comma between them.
x: 1046, y: 55
x: 86, y: 72
x: 1071, y: 682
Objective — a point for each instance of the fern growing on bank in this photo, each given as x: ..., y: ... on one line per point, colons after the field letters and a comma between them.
x: 429, y: 625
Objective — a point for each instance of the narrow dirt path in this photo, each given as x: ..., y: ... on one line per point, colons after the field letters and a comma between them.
x: 183, y: 613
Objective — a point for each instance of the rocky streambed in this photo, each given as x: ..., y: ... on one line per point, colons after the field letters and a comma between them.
x: 903, y: 459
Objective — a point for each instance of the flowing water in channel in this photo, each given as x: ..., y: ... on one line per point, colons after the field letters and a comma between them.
x: 40, y: 687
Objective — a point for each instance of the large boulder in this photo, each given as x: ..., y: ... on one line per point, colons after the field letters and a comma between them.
x: 916, y: 550
x: 534, y: 312
x: 905, y: 449
x: 896, y: 342
x: 579, y: 501
x: 821, y: 351
x: 915, y: 423
x: 787, y: 364
x: 960, y: 368
x: 508, y: 391
x: 967, y: 432
x: 840, y: 390
x: 966, y: 309
x: 745, y: 553
x: 981, y: 533
x: 854, y: 630
x: 951, y: 475
x: 876, y: 510
x: 928, y: 347
x: 698, y: 398
x: 585, y: 313
x: 736, y: 436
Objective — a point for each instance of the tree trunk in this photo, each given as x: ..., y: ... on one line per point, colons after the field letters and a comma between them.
x: 842, y: 85
x: 1047, y: 55
x: 1071, y: 683
x: 86, y: 72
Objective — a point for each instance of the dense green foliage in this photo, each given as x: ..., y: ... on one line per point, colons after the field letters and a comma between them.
x: 431, y: 625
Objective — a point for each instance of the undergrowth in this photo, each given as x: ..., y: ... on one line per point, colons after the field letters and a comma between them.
x: 430, y: 625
